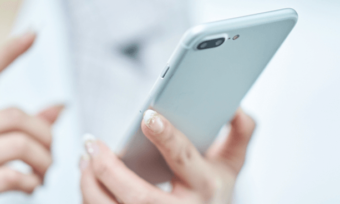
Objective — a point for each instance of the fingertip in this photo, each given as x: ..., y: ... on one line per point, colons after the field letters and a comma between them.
x: 242, y: 117
x: 33, y: 181
x: 15, y: 180
x: 243, y: 123
x: 28, y: 37
x: 87, y: 137
x: 51, y: 114
x: 153, y: 122
x: 95, y: 148
x: 250, y: 121
x: 91, y: 145
x: 23, y: 42
x: 59, y: 107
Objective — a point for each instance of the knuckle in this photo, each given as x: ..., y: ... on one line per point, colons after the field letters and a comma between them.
x: 47, y: 140
x: 20, y: 143
x: 46, y: 165
x: 46, y: 134
x: 177, y: 148
x: 181, y: 154
x: 178, y: 155
x: 14, y: 115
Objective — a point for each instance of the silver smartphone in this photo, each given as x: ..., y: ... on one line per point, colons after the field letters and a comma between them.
x: 203, y: 83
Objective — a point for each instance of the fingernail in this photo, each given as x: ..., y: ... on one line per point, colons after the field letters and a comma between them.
x: 153, y: 121
x: 90, y: 145
x: 84, y: 161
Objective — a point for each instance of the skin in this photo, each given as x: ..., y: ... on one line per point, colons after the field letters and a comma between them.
x: 198, y: 179
x: 22, y: 136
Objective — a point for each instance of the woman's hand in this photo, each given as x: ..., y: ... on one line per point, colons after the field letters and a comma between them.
x: 210, y: 179
x: 22, y: 136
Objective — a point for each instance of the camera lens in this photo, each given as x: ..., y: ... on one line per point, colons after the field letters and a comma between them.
x: 210, y: 43
x: 218, y: 42
x: 203, y: 45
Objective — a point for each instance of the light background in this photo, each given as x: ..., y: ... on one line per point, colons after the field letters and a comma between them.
x: 294, y: 155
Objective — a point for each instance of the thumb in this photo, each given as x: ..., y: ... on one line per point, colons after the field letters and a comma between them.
x: 51, y: 114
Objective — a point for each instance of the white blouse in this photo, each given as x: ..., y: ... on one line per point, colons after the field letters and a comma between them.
x: 98, y: 57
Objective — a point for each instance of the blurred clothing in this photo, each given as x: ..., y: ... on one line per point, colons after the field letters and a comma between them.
x: 99, y: 57
x: 119, y: 49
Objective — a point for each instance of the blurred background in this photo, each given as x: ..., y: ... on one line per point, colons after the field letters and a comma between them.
x: 294, y: 154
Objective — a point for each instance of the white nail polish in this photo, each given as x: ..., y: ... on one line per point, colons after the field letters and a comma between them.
x: 90, y: 144
x: 148, y: 116
x: 88, y: 137
x: 153, y: 121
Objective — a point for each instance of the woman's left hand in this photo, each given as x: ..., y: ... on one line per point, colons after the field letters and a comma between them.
x: 198, y: 179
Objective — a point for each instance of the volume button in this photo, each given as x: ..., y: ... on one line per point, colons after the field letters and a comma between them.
x: 165, y: 71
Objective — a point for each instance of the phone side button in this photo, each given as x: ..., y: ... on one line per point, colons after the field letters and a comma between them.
x: 165, y: 71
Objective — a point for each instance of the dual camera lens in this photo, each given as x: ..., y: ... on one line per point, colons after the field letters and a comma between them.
x: 211, y: 43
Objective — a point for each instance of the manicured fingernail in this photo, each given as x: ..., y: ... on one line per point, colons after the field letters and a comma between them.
x: 90, y: 145
x: 84, y: 161
x: 153, y: 121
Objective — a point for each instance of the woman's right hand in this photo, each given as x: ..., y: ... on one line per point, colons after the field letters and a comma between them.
x: 24, y: 137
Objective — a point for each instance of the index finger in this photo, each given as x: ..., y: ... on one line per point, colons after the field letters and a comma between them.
x: 13, y: 119
x: 180, y: 154
x: 14, y: 48
x: 124, y: 184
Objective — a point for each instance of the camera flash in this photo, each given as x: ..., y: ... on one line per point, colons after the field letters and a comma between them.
x: 235, y: 37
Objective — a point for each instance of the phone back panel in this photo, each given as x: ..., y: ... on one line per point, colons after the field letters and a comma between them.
x: 206, y: 87
x: 202, y: 89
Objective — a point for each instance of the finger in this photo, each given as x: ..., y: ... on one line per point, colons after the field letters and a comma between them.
x: 51, y: 114
x: 92, y: 191
x: 180, y: 154
x: 13, y: 119
x: 233, y: 150
x: 120, y: 180
x: 13, y: 180
x: 19, y: 146
x: 15, y: 47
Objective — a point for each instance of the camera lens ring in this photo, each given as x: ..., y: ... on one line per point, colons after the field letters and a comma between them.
x: 203, y: 45
x: 218, y: 42
x: 211, y: 43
